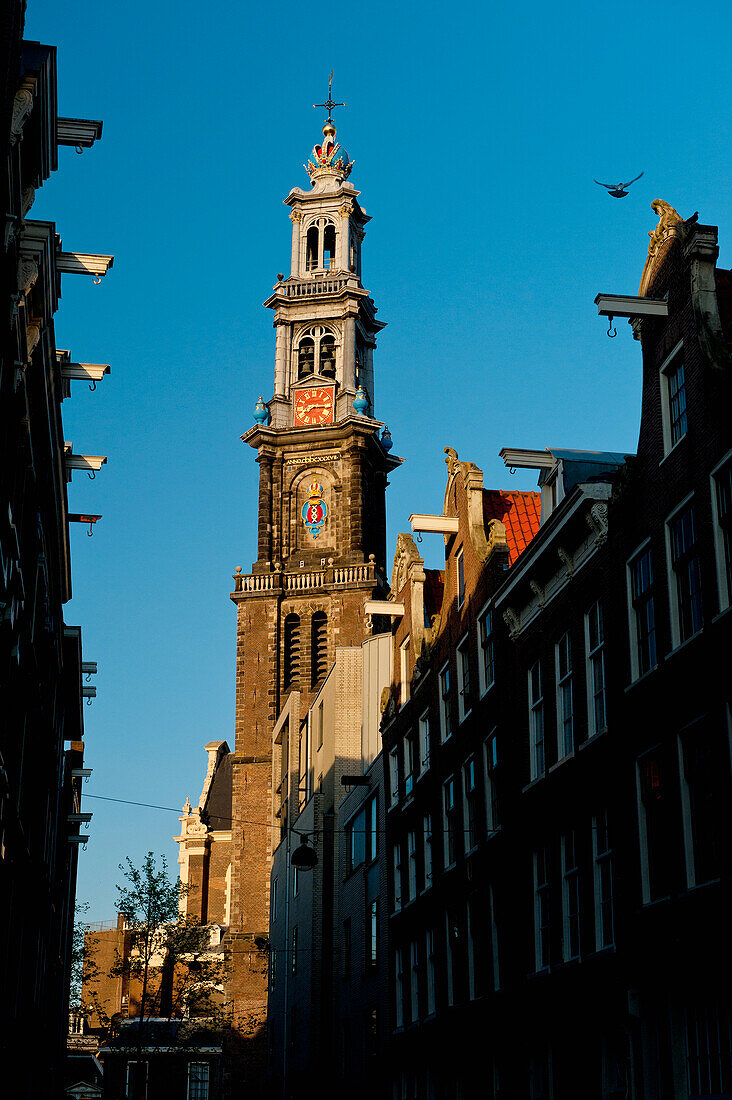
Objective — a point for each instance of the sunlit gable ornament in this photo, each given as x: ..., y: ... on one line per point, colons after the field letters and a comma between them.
x: 314, y: 510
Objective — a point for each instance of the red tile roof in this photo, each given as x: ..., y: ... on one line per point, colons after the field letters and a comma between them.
x: 521, y: 514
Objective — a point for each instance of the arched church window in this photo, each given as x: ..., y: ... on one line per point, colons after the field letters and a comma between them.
x: 311, y: 256
x: 306, y: 357
x: 319, y: 647
x: 327, y: 356
x: 329, y: 247
x: 292, y: 650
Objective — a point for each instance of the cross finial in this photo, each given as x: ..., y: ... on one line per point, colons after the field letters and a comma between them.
x: 330, y: 102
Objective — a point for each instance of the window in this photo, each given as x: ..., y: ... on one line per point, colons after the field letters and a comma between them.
x: 328, y: 356
x: 424, y: 743
x: 445, y: 710
x: 399, y: 988
x: 449, y: 822
x: 473, y: 948
x: 329, y: 247
x: 273, y: 900
x: 306, y: 357
x: 409, y: 763
x: 137, y: 1081
x: 319, y: 725
x: 722, y: 512
x: 372, y: 940
x: 347, y: 949
x: 295, y: 881
x: 460, y: 578
x: 706, y: 796
x: 656, y: 824
x: 643, y: 614
x: 361, y: 834
x: 686, y: 589
x: 673, y: 398
x: 595, y: 648
x: 463, y: 675
x: 397, y: 875
x: 490, y: 760
x: 427, y: 851
x: 272, y: 969
x: 292, y: 650
x: 486, y: 673
x: 198, y: 1080
x: 411, y: 891
x: 431, y: 971
x: 293, y: 959
x: 312, y: 248
x: 603, y: 876
x: 495, y: 955
x: 570, y: 898
x: 414, y: 980
x: 470, y: 804
x: 394, y: 776
x: 565, y: 703
x: 452, y: 936
x: 708, y: 1027
x: 541, y: 909
x: 404, y: 670
x: 536, y: 722
x: 319, y: 647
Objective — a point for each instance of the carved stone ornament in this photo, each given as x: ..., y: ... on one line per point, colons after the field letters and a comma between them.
x: 22, y: 107
x: 27, y: 275
x: 566, y: 560
x: 513, y: 623
x: 385, y: 694
x: 406, y: 552
x: 598, y: 522
x: 27, y: 199
x: 296, y: 216
x: 33, y: 335
x: 452, y: 461
x: 538, y: 592
x: 346, y: 210
x: 670, y: 226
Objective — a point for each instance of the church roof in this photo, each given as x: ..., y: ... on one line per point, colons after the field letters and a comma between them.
x: 520, y: 512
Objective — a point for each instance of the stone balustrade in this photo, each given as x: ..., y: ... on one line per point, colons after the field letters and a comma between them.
x: 304, y: 580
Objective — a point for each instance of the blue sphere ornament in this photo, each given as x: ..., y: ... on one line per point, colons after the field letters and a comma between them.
x: 360, y: 401
x: 261, y: 412
x: 386, y: 441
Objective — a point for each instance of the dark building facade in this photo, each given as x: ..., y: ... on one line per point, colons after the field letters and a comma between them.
x: 560, y: 876
x: 41, y: 691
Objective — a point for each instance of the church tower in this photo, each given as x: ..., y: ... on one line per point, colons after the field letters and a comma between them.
x: 323, y: 466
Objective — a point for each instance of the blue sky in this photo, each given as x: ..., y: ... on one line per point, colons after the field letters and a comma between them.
x: 476, y: 130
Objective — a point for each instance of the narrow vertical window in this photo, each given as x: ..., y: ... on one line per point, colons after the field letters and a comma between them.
x: 431, y: 971
x: 292, y: 650
x: 485, y: 651
x: 570, y: 897
x: 643, y: 614
x: 424, y: 743
x: 399, y: 987
x: 473, y: 949
x: 372, y: 917
x: 319, y: 725
x: 311, y: 249
x: 686, y: 593
x: 319, y: 647
x: 404, y: 670
x: 394, y: 775
x: 409, y: 764
x: 463, y: 678
x: 541, y: 909
x: 676, y: 396
x: 445, y: 707
x: 603, y: 874
x: 595, y: 643
x: 397, y: 874
x: 536, y: 722
x: 273, y: 900
x: 305, y: 357
x: 449, y: 822
x: 495, y: 950
x: 411, y: 891
x: 371, y: 830
x: 293, y: 956
x: 329, y: 247
x: 327, y: 356
x: 470, y: 804
x: 347, y: 946
x: 414, y: 980
x: 460, y: 578
x: 565, y: 701
x: 706, y: 796
x: 656, y: 825
x: 490, y: 760
x: 427, y: 851
x: 722, y: 509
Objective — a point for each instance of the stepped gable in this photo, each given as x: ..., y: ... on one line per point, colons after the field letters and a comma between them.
x: 519, y: 512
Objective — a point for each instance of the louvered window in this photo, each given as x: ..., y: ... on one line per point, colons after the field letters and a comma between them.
x: 292, y: 650
x: 319, y: 647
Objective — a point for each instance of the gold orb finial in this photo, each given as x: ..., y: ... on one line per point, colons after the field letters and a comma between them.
x: 329, y: 129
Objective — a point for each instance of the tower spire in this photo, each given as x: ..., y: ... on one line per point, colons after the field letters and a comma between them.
x: 330, y: 102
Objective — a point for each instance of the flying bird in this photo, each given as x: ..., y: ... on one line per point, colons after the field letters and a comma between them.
x: 618, y: 190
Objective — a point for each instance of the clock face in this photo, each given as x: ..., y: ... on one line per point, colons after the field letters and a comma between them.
x: 314, y: 406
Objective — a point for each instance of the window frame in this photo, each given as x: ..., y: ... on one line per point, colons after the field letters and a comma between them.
x: 485, y: 642
x: 565, y: 686
x: 412, y: 849
x: 594, y: 658
x: 430, y: 972
x: 462, y: 664
x: 393, y: 757
x: 449, y: 822
x: 722, y: 546
x: 636, y: 671
x: 424, y: 743
x: 428, y: 853
x: 443, y: 681
x: 470, y: 805
x: 684, y: 561
x: 404, y: 678
x: 542, y: 909
x: 398, y: 886
x: 491, y: 762
x: 571, y: 898
x: 537, y: 746
x: 668, y: 368
x: 460, y: 578
x: 602, y: 899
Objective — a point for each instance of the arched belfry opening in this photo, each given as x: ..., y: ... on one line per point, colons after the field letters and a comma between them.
x: 291, y: 670
x: 305, y: 356
x: 318, y: 647
x: 329, y: 247
x: 312, y: 248
x: 327, y: 363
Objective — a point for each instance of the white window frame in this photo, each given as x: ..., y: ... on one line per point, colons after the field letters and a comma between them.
x: 484, y: 685
x: 460, y: 578
x: 207, y: 1082
x: 541, y: 890
x: 424, y: 743
x: 404, y: 678
x: 490, y: 763
x: 393, y: 776
x: 673, y: 596
x: 397, y: 876
x: 692, y: 879
x: 445, y: 708
x: 599, y: 859
x: 571, y: 882
x: 427, y: 851
x: 273, y: 900
x: 536, y: 707
x: 462, y: 663
x: 635, y: 672
x: 414, y: 981
x: 663, y: 377
x: 562, y: 681
x: 431, y: 971
x: 410, y: 772
x: 467, y: 846
x: 411, y: 866
x: 399, y: 986
x: 724, y: 589
x: 447, y: 830
x: 594, y: 658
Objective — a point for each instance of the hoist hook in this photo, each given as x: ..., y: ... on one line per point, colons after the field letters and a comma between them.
x: 612, y: 331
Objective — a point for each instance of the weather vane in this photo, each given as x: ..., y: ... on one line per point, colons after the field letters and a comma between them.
x: 330, y: 102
